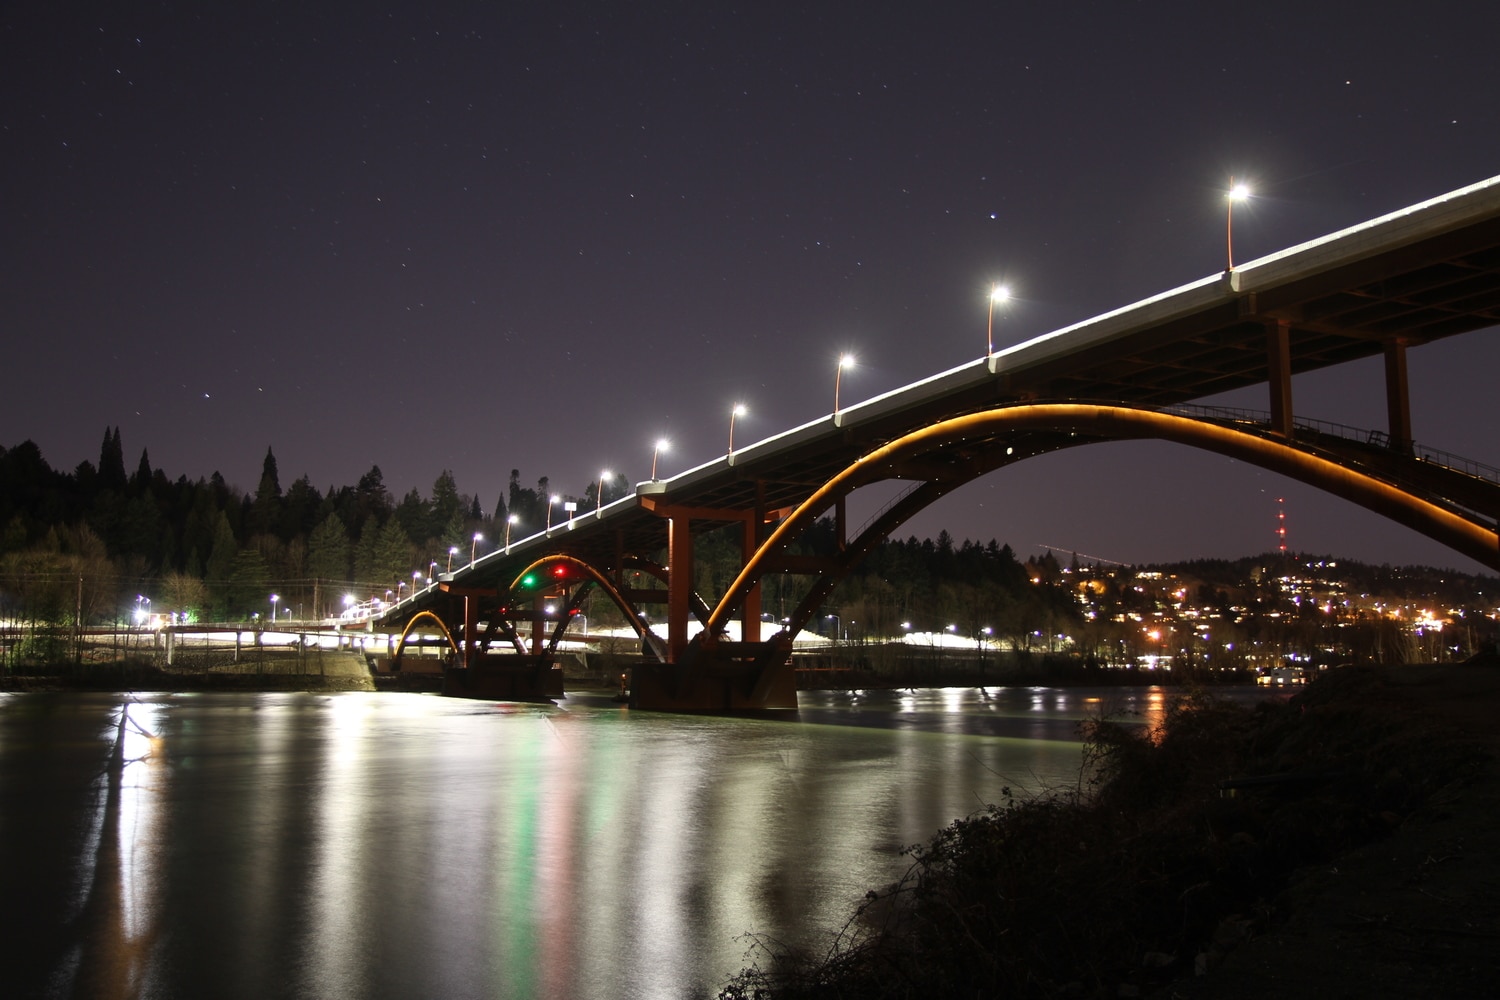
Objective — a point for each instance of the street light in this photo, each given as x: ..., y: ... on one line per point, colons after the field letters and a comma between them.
x: 1000, y: 293
x: 845, y: 361
x: 274, y: 599
x: 662, y: 444
x: 473, y: 544
x: 604, y: 477
x: 453, y: 551
x: 512, y: 519
x: 1237, y: 192
x: 551, y: 501
x: 836, y: 625
x: 416, y: 575
x: 738, y: 411
x: 432, y: 573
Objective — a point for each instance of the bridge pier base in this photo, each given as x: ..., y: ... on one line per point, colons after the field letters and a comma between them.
x: 505, y: 678
x: 724, y: 680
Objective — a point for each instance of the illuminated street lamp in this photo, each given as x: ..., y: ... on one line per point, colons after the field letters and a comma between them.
x: 604, y: 477
x: 453, y: 551
x: 551, y: 502
x: 432, y: 573
x: 416, y: 575
x: 473, y: 544
x: 274, y: 599
x: 845, y: 361
x: 511, y: 520
x: 738, y: 411
x: 399, y: 585
x: 1237, y: 192
x: 1000, y: 293
x: 662, y: 444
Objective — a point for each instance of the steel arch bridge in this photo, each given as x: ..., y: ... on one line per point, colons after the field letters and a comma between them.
x: 1422, y: 274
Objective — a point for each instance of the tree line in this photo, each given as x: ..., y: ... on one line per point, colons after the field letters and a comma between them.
x: 97, y: 542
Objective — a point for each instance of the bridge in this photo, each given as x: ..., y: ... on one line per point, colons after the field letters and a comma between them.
x: 1406, y: 279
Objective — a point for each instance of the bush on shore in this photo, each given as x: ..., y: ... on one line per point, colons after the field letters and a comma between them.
x: 1171, y: 850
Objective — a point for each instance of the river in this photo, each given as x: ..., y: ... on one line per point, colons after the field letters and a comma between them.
x: 396, y: 845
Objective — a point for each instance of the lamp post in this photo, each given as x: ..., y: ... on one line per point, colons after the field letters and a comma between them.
x: 453, y: 551
x: 510, y: 520
x: 1237, y: 192
x: 738, y: 411
x: 551, y: 502
x: 999, y: 293
x: 432, y: 573
x: 662, y: 444
x: 836, y: 624
x: 416, y: 575
x: 274, y: 599
x: 473, y: 545
x: 845, y: 361
x: 604, y: 477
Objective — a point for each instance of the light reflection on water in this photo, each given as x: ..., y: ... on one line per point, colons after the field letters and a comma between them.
x: 399, y: 845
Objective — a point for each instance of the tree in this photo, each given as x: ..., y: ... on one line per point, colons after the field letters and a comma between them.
x: 328, y: 550
x: 265, y: 510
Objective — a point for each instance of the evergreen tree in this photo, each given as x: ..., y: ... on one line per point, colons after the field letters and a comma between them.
x: 265, y: 510
x: 328, y: 551
x: 111, y: 461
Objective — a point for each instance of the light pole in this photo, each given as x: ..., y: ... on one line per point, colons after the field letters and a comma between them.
x: 1237, y: 192
x: 416, y: 575
x: 836, y: 625
x: 473, y: 545
x: 662, y: 444
x: 738, y: 411
x: 453, y: 551
x: 510, y: 520
x: 432, y: 573
x: 1000, y: 293
x: 845, y: 361
x: 274, y: 599
x: 604, y: 477
x: 551, y: 502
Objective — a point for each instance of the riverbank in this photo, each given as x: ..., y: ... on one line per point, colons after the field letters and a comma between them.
x: 276, y: 670
x: 1340, y: 843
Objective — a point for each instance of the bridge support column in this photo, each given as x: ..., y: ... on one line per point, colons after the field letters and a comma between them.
x: 724, y: 677
x: 1279, y: 376
x: 750, y: 614
x: 1397, y: 397
x: 679, y: 583
x: 470, y: 627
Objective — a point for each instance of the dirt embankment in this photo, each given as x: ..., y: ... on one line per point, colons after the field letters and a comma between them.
x: 1415, y: 914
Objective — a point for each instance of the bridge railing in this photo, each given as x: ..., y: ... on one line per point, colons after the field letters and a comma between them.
x: 1374, y: 438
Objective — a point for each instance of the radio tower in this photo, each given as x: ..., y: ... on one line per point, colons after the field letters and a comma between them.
x: 1281, y: 524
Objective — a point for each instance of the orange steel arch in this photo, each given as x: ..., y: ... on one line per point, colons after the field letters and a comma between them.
x: 632, y: 616
x: 1099, y: 423
x: 412, y: 623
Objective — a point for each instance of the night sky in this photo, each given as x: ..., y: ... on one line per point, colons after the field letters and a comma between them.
x: 486, y: 236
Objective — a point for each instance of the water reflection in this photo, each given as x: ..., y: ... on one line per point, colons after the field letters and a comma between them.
x: 396, y: 845
x: 114, y: 928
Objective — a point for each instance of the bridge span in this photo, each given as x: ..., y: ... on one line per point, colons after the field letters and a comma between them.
x: 1415, y: 276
